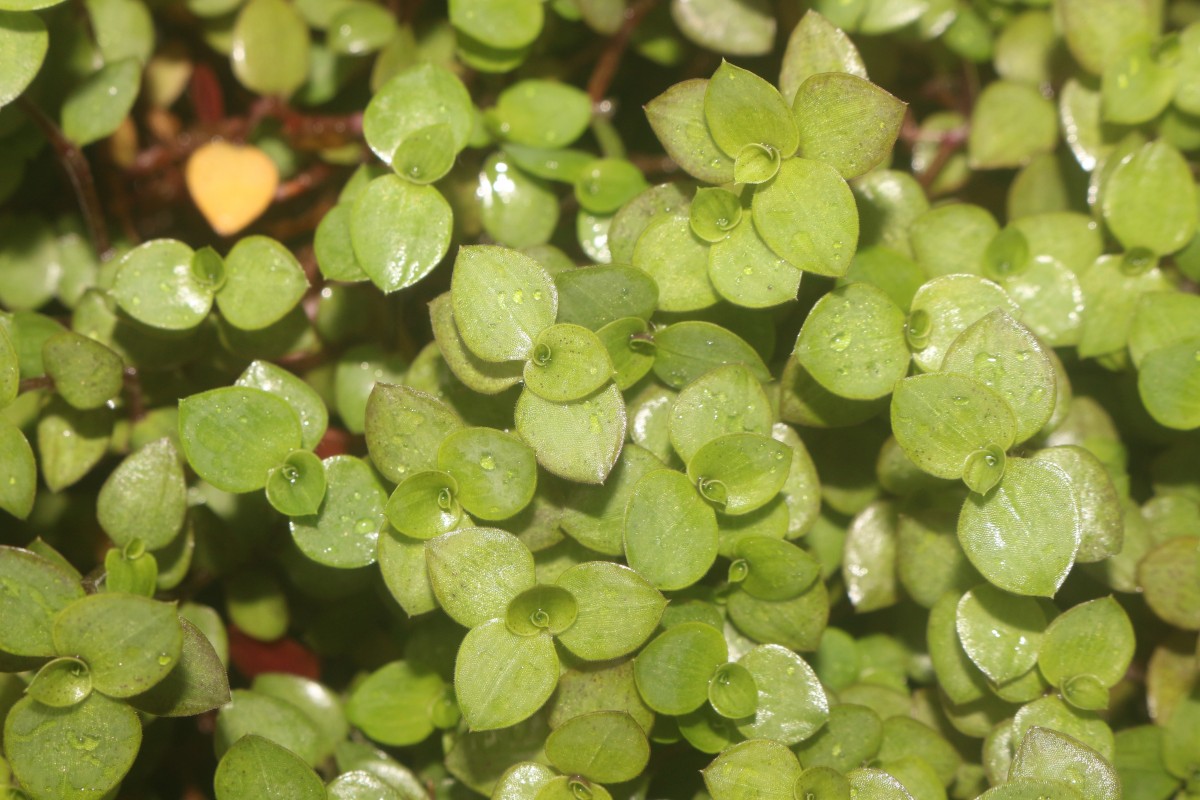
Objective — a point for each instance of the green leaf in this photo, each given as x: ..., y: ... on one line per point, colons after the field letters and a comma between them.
x: 1111, y: 291
x: 61, y: 683
x: 850, y: 737
x: 96, y: 107
x: 259, y: 768
x: 687, y: 350
x: 524, y: 780
x: 402, y: 565
x: 677, y: 260
x: 759, y: 769
x: 953, y: 238
x: 1005, y: 356
x: 714, y: 213
x: 333, y: 248
x: 1000, y: 632
x: 603, y: 746
x: 477, y: 374
x: 344, y: 531
x: 393, y: 704
x: 517, y: 210
x: 23, y: 40
x: 791, y: 704
x: 71, y: 442
x: 541, y: 113
x: 742, y: 109
x: 405, y: 428
x: 252, y: 713
x: 297, y: 486
x: 568, y: 362
x: 35, y: 590
x: 1098, y: 31
x: 17, y: 493
x: 600, y: 295
x: 145, y: 497
x: 846, y: 121
x: 496, y: 474
x: 425, y: 505
x: 270, y: 46
x: 853, y: 344
x: 1161, y: 319
x: 740, y: 472
x: 197, y: 684
x: 942, y: 419
x: 43, y: 744
x: 673, y: 671
x: 729, y: 27
x: 595, y: 515
x: 774, y: 569
x: 500, y: 24
x: 501, y: 678
x: 580, y: 440
x: 747, y: 273
x: 869, y: 558
x: 358, y: 28
x: 1022, y: 536
x: 1167, y: 577
x: 1093, y: 639
x: 476, y: 572
x: 1150, y: 200
x: 946, y: 306
x: 1031, y: 790
x: 628, y: 343
x: 308, y: 405
x: 606, y: 184
x: 677, y: 117
x: 130, y: 643
x: 670, y: 532
x: 1168, y: 381
x: 1135, y: 87
x: 732, y: 691
x: 233, y: 437
x: 1099, y: 504
x: 876, y: 785
x: 814, y: 46
x: 617, y: 610
x: 264, y: 281
x: 155, y: 285
x: 1045, y: 754
x: 502, y: 301
x: 807, y: 215
x: 400, y: 231
x: 412, y: 101
x: 1010, y: 124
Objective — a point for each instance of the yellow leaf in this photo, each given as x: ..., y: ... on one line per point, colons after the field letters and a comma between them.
x: 232, y: 185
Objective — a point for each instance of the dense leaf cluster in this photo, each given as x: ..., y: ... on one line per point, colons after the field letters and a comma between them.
x: 403, y: 414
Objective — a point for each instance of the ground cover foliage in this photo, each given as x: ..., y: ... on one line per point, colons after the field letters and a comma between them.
x: 585, y: 400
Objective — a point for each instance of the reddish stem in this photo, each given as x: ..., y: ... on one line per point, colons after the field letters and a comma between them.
x: 610, y: 59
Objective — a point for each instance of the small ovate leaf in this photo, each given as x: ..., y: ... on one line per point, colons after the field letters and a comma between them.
x: 630, y: 347
x: 34, y: 591
x: 853, y: 342
x: 344, y: 532
x: 425, y: 505
x: 270, y: 46
x: 405, y: 428
x: 673, y: 671
x: 808, y: 216
x: 776, y: 570
x: 941, y: 419
x: 233, y: 437
x: 130, y: 643
x: 732, y: 691
x: 759, y: 769
x: 616, y: 610
x: 71, y: 442
x: 1169, y: 384
x: 814, y: 46
x: 1135, y: 87
x: 485, y: 377
x: 677, y: 260
x: 1005, y: 356
x: 1094, y: 638
x: 61, y: 683
x: 314, y: 417
x: 232, y: 186
x: 263, y: 282
x: 476, y: 572
x: 197, y: 684
x: 155, y: 285
x: 743, y: 109
x: 677, y: 117
x: 600, y: 295
x: 595, y: 515
x: 1001, y: 633
x: 846, y: 121
x: 792, y: 705
x: 413, y: 100
x: 502, y: 300
x: 1167, y: 577
x: 43, y: 743
x: 400, y: 231
x: 541, y: 113
x: 579, y: 440
x: 670, y: 531
x: 516, y: 209
x: 729, y: 27
x: 603, y: 746
x: 359, y: 28
x: 747, y: 273
x: 19, y: 484
x: 393, y: 705
x: 502, y: 678
x: 1023, y: 535
x: 258, y: 768
x: 1099, y: 503
x: 496, y: 473
x: 946, y: 306
x: 714, y: 213
x: 687, y: 350
x: 1046, y: 754
x: 1149, y: 200
x: 24, y: 41
x: 606, y: 184
x: 86, y: 373
x: 95, y: 108
x: 297, y: 486
x: 568, y: 362
x: 145, y: 497
x: 740, y: 472
x: 1010, y: 124
x: 498, y: 24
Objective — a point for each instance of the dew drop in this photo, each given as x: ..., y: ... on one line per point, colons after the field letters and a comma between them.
x: 840, y: 341
x: 487, y: 462
x: 164, y: 660
x: 364, y: 525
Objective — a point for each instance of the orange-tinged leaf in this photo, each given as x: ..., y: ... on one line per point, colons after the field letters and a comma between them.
x: 232, y: 185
